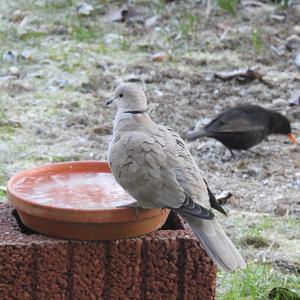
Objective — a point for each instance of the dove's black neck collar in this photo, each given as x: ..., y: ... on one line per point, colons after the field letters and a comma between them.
x: 135, y: 112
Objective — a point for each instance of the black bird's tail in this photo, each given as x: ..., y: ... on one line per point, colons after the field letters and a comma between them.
x: 193, y: 135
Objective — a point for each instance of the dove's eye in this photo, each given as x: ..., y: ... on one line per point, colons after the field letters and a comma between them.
x: 120, y: 95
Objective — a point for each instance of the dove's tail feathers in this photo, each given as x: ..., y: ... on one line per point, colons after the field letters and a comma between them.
x: 216, y: 243
x: 193, y: 135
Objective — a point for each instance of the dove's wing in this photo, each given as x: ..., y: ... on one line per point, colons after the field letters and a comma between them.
x: 156, y: 168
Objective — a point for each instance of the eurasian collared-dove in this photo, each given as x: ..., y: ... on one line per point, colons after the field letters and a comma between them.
x: 244, y: 126
x: 152, y: 163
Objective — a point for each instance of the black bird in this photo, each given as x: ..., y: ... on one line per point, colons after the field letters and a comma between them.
x: 243, y: 127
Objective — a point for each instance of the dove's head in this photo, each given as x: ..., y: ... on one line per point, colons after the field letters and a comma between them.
x: 129, y: 96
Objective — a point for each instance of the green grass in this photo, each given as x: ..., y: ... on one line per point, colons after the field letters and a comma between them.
x: 187, y: 24
x: 257, y: 40
x: 254, y: 282
x: 229, y: 6
x: 83, y: 33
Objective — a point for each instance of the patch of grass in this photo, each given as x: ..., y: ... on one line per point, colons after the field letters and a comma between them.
x: 257, y: 40
x: 266, y: 223
x: 124, y: 45
x: 102, y: 47
x: 83, y: 33
x: 229, y: 6
x: 6, y: 132
x: 254, y: 282
x: 58, y: 4
x: 36, y: 36
x: 255, y: 241
x: 187, y: 24
x: 3, y: 182
x: 2, y: 113
x: 58, y: 158
x: 160, y: 7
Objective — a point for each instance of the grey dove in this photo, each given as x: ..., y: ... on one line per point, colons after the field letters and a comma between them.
x: 153, y: 164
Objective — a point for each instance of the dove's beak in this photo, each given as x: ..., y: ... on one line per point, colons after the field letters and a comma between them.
x: 292, y: 138
x: 108, y: 102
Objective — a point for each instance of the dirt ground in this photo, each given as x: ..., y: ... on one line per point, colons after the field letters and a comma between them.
x: 58, y: 67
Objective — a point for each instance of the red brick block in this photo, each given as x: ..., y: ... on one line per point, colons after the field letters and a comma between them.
x: 167, y: 264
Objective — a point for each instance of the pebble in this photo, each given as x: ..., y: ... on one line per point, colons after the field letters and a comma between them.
x: 158, y: 93
x: 295, y: 98
x: 9, y: 56
x: 297, y: 60
x: 293, y: 42
x: 150, y: 21
x: 26, y: 54
x: 297, y: 29
x: 13, y: 70
x: 279, y: 102
x: 85, y: 9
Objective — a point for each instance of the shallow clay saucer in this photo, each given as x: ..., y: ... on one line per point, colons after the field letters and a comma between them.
x: 79, y: 200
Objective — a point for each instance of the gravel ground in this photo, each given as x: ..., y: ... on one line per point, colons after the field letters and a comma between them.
x: 58, y: 67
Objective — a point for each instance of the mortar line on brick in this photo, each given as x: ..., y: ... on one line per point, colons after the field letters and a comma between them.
x: 143, y: 270
x: 70, y: 269
x: 33, y: 271
x: 181, y: 269
x: 107, y: 271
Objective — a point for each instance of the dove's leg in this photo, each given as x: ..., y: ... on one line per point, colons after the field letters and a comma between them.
x: 133, y: 205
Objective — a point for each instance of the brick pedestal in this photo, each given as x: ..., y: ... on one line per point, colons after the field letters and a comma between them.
x: 167, y: 264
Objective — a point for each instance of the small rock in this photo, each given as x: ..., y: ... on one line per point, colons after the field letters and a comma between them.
x: 23, y: 85
x: 19, y: 15
x: 280, y: 50
x: 297, y: 29
x: 295, y: 98
x: 279, y: 18
x: 297, y: 60
x: 26, y: 55
x: 85, y: 9
x: 28, y: 25
x: 61, y: 83
x: 150, y: 21
x: 293, y: 42
x: 51, y: 88
x: 13, y: 70
x: 9, y: 56
x: 158, y: 93
x: 160, y: 57
x: 279, y: 102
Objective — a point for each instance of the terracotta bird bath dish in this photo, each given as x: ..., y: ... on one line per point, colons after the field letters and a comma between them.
x: 79, y: 200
